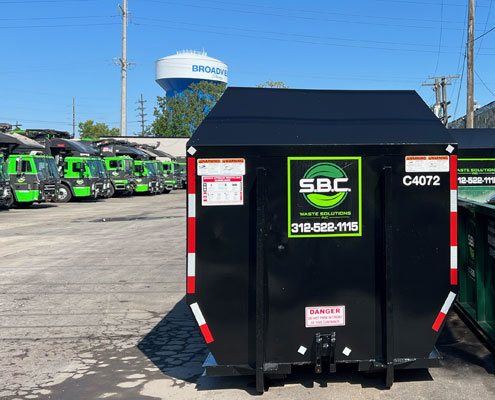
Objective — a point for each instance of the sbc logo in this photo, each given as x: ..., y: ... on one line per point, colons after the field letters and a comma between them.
x: 323, y: 185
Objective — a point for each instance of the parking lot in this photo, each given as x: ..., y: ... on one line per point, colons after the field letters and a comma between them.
x: 92, y: 307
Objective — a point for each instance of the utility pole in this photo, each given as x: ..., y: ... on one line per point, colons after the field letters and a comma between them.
x: 141, y: 113
x: 436, y: 89
x: 123, y: 66
x: 73, y: 117
x: 440, y: 89
x: 470, y: 68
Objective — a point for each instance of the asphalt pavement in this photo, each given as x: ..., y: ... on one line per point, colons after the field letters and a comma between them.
x: 92, y: 307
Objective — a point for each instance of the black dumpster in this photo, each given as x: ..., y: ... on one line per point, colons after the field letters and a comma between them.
x: 321, y: 230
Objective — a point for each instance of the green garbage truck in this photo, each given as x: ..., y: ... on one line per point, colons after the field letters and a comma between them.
x: 32, y: 173
x: 119, y: 165
x: 76, y: 163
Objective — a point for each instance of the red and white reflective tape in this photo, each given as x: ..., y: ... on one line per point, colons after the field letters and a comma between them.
x: 191, y: 225
x: 443, y: 312
x: 201, y: 322
x: 453, y: 220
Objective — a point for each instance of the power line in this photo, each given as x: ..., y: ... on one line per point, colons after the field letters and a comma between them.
x: 57, y: 26
x: 251, y: 12
x: 484, y: 29
x: 484, y: 84
x: 423, y: 3
x: 440, y: 39
x: 287, y: 33
x: 65, y: 17
x: 320, y: 12
x: 293, y: 40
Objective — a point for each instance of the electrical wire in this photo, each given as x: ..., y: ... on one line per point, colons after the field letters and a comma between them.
x: 440, y: 39
x: 486, y: 25
x: 58, y: 26
x: 320, y: 12
x: 292, y: 40
x: 66, y: 17
x: 301, y: 17
x: 287, y: 33
x: 484, y: 84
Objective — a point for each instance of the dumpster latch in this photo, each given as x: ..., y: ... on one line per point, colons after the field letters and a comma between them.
x: 325, y: 348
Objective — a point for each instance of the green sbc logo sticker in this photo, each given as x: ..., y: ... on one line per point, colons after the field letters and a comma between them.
x: 324, y: 196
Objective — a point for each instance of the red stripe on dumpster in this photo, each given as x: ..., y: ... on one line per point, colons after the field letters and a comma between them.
x: 453, y: 172
x: 191, y: 175
x: 443, y: 312
x: 191, y: 235
x: 206, y: 333
x: 191, y: 284
x: 453, y: 276
x: 438, y: 322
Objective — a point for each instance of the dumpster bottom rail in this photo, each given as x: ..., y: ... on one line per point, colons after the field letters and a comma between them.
x: 212, y: 368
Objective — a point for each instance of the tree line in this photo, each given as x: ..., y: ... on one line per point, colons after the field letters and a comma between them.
x: 178, y: 115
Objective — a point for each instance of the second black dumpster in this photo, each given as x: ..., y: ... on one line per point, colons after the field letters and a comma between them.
x: 321, y: 230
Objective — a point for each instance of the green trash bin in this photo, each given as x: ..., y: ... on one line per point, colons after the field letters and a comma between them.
x: 476, y: 267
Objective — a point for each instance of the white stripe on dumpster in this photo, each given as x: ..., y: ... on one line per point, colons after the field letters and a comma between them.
x: 443, y: 312
x: 453, y: 257
x: 191, y: 264
x: 448, y: 303
x: 198, y: 314
x: 453, y: 201
x: 191, y: 203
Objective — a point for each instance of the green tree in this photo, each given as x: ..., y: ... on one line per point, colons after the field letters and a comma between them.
x: 91, y: 130
x: 181, y: 114
x: 273, y: 84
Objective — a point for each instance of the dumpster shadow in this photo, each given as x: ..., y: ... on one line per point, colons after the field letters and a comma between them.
x: 177, y: 348
x: 458, y: 345
x: 175, y: 345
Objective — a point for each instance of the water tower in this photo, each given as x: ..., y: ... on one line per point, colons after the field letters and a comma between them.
x: 176, y: 72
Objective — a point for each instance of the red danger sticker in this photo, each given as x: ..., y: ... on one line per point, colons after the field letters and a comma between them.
x: 325, y: 316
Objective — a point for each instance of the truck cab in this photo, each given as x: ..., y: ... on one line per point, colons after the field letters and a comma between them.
x: 156, y: 179
x: 32, y: 173
x: 144, y: 181
x: 33, y: 178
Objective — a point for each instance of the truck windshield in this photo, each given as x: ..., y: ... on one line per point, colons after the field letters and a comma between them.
x: 128, y: 166
x: 159, y: 167
x: 151, y: 168
x: 93, y: 168
x: 42, y: 168
x: 167, y: 167
x: 52, y: 168
x: 101, y: 168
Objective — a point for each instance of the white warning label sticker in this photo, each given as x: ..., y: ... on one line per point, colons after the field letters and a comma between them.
x: 221, y: 166
x: 427, y: 164
x: 222, y: 191
x: 325, y: 316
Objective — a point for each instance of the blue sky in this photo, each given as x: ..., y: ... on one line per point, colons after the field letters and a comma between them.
x: 53, y: 50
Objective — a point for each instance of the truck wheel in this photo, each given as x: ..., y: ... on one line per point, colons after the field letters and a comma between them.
x: 111, y: 192
x: 64, y: 194
x: 166, y: 191
x: 9, y: 202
